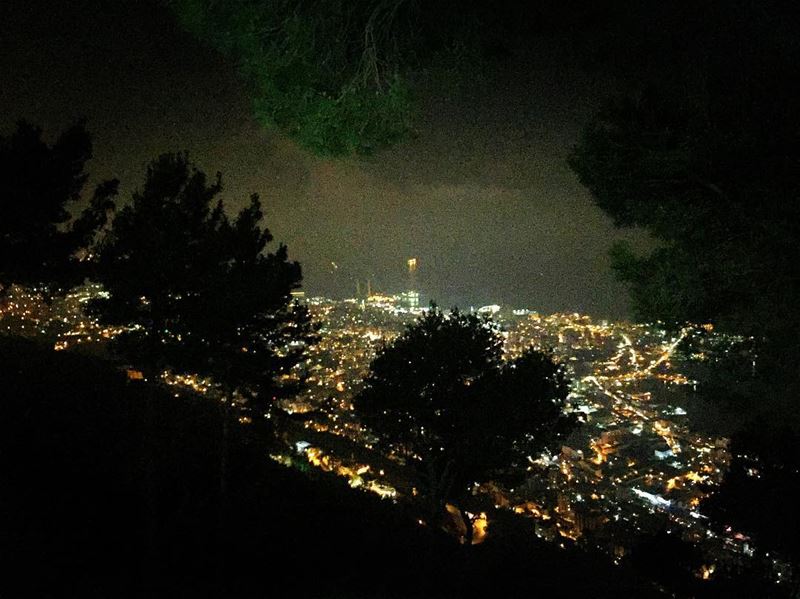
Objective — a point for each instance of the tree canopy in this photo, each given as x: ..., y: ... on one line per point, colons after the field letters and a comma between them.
x: 195, y: 291
x: 756, y: 495
x: 39, y: 239
x: 703, y: 153
x: 726, y: 217
x: 442, y: 398
x: 334, y: 75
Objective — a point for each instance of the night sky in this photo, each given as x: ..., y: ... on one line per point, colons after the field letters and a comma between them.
x: 482, y: 195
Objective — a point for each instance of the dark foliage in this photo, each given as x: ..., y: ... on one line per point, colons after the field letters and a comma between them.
x: 677, y: 566
x: 38, y: 238
x: 664, y: 557
x: 334, y: 74
x: 727, y: 219
x: 758, y: 493
x: 441, y: 396
x: 196, y: 290
x: 703, y: 150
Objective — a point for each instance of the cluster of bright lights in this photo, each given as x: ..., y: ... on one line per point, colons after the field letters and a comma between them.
x: 633, y: 461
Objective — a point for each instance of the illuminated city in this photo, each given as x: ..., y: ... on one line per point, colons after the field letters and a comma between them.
x: 395, y: 299
x: 633, y: 466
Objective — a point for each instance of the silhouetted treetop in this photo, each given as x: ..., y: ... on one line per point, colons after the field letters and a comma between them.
x: 702, y: 149
x: 704, y: 152
x: 442, y: 397
x: 196, y: 291
x: 38, y: 243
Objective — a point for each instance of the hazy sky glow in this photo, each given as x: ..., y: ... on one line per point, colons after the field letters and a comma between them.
x: 482, y: 195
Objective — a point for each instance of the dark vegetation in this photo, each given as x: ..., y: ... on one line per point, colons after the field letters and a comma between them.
x: 337, y: 76
x: 702, y: 149
x: 39, y: 237
x: 196, y: 291
x: 674, y: 565
x: 759, y: 491
x: 82, y: 458
x: 442, y: 397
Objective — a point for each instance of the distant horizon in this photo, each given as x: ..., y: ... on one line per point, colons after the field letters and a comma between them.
x: 470, y: 306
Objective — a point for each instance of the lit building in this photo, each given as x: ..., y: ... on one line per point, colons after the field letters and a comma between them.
x: 410, y: 300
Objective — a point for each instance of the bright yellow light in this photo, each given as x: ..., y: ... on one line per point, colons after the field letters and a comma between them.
x: 134, y: 375
x: 480, y: 528
x: 707, y: 571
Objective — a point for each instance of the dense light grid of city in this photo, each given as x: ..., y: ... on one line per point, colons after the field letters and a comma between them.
x: 633, y: 466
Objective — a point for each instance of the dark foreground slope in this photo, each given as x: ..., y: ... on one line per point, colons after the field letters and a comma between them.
x: 111, y: 489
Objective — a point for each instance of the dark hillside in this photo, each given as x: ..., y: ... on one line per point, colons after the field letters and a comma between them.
x: 110, y: 489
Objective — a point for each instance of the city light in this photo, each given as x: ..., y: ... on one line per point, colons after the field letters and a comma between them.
x: 633, y: 465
